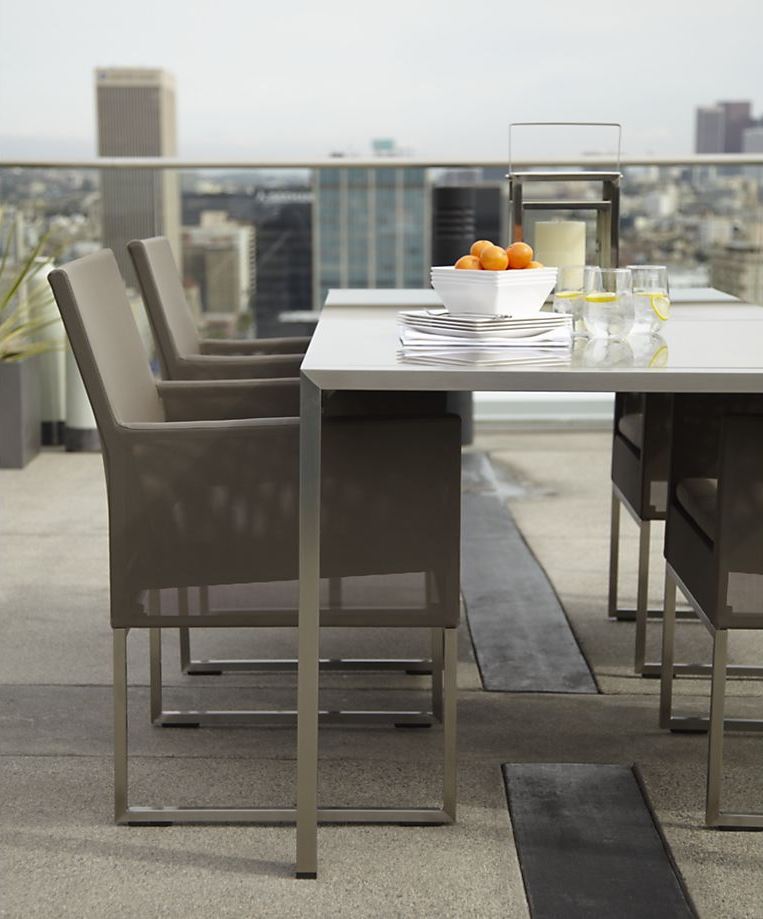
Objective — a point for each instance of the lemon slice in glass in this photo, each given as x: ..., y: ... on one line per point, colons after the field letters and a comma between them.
x: 660, y: 303
x: 569, y: 295
x: 602, y: 296
x: 660, y: 357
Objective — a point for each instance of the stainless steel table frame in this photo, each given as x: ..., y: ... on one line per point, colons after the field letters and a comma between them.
x: 710, y: 348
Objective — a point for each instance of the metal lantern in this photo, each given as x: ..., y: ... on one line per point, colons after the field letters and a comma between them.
x: 607, y: 206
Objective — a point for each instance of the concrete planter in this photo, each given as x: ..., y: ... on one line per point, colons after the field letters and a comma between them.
x: 20, y: 412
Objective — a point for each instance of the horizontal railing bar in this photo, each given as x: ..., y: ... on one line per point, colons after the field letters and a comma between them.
x: 567, y: 205
x: 155, y: 162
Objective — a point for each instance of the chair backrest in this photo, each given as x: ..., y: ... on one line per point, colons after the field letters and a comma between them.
x: 166, y: 304
x: 104, y: 336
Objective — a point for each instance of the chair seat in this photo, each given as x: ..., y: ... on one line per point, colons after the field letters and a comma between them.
x: 631, y: 426
x: 699, y: 498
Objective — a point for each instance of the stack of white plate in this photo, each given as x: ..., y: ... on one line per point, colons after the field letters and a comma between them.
x: 519, y: 292
x: 437, y: 335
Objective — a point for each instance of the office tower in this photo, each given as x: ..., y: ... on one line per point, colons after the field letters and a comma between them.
x: 737, y: 116
x: 721, y: 127
x: 710, y: 127
x: 752, y: 140
x: 454, y: 210
x: 370, y: 228
x: 218, y: 259
x: 284, y: 265
x: 136, y: 117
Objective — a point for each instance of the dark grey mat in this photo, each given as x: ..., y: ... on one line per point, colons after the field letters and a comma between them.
x: 522, y: 639
x: 588, y: 845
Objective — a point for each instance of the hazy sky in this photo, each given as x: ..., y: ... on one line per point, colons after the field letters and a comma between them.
x: 299, y: 79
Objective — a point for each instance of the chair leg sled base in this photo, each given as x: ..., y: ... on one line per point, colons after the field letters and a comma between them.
x: 131, y: 815
x: 714, y: 725
x: 211, y: 719
x: 229, y: 719
x: 742, y: 671
x: 266, y: 816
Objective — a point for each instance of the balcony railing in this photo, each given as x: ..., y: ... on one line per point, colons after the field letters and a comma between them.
x: 260, y: 241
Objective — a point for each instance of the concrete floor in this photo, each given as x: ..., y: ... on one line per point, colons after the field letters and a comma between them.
x: 60, y: 855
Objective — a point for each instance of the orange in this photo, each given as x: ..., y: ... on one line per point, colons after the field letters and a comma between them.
x: 470, y: 262
x: 535, y: 265
x: 494, y: 258
x: 520, y: 255
x: 477, y: 247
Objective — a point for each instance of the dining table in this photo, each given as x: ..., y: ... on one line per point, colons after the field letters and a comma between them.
x: 712, y: 343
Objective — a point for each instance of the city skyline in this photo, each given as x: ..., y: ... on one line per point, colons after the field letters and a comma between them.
x: 257, y: 82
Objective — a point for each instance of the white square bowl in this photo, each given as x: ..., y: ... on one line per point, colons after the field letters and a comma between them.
x: 523, y: 297
x: 493, y: 278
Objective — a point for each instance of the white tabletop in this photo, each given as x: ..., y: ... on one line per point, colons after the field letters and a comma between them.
x: 426, y: 297
x: 705, y: 348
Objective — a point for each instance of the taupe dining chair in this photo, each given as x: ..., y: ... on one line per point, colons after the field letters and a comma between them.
x: 183, y: 355
x: 177, y: 344
x: 640, y: 466
x: 714, y: 554
x: 198, y: 502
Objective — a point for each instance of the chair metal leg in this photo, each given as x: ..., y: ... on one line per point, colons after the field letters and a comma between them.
x: 642, y: 596
x: 714, y: 816
x: 437, y: 672
x: 119, y: 641
x: 185, y: 650
x: 614, y: 555
x: 668, y: 648
x: 415, y: 666
x: 162, y: 815
x: 155, y: 674
x: 715, y: 733
x: 615, y: 612
x: 693, y: 724
x: 208, y: 718
x: 450, y: 701
x: 216, y: 667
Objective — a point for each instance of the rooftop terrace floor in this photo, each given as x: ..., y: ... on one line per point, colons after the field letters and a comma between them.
x: 61, y: 855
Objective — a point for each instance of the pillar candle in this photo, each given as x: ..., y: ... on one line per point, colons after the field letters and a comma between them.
x: 559, y: 243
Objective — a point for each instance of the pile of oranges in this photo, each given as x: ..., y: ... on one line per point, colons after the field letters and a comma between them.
x: 486, y: 256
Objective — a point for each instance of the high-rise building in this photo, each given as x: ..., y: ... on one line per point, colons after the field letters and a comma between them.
x: 284, y: 264
x: 370, y: 228
x: 752, y: 139
x: 737, y: 117
x: 218, y: 259
x: 721, y: 127
x: 710, y: 136
x: 136, y: 117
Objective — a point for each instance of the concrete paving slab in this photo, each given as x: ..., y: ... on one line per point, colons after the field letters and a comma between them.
x: 59, y: 855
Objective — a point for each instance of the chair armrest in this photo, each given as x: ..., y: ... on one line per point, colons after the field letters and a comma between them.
x: 198, y: 400
x: 238, y: 367
x: 208, y: 429
x: 290, y: 346
x: 740, y: 501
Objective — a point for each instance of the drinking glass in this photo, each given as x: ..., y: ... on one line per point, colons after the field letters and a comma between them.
x: 607, y: 352
x: 651, y: 297
x: 608, y: 302
x: 568, y: 294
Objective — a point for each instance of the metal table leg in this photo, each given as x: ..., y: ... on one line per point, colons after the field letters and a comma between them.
x: 309, y: 628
